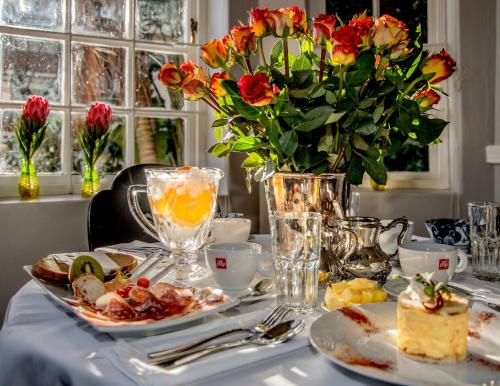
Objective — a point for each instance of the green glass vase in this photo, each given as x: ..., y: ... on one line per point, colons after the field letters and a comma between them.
x: 91, y: 182
x: 28, y: 184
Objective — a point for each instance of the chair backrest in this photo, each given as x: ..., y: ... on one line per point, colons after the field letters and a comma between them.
x: 109, y: 220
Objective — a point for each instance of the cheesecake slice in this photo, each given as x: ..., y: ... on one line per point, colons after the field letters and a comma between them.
x: 432, y: 332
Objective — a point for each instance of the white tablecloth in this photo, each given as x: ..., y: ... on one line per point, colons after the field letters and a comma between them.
x: 39, y: 345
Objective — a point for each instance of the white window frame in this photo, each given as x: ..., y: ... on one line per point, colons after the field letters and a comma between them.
x: 194, y: 113
x: 438, y: 176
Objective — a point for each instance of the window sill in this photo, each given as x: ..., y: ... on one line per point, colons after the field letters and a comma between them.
x: 43, y: 199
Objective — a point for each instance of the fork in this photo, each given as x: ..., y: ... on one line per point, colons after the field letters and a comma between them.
x: 272, y: 319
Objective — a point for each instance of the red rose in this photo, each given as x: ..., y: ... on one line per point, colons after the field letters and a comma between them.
x: 363, y: 26
x: 299, y: 21
x: 345, y: 49
x: 427, y: 98
x: 323, y: 28
x: 243, y: 40
x: 216, y: 84
x: 99, y: 115
x: 257, y: 19
x: 442, y: 65
x: 36, y: 109
x: 256, y: 90
x: 169, y: 75
x: 215, y: 53
x: 279, y: 22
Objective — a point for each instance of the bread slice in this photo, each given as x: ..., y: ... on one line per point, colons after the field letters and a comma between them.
x: 50, y: 269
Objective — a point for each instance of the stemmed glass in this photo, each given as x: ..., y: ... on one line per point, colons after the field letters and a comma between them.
x: 183, y: 202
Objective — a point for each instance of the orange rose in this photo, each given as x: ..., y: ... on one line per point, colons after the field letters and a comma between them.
x: 216, y: 84
x: 169, y: 76
x: 227, y: 40
x: 299, y: 21
x: 363, y: 26
x: 400, y: 49
x: 323, y: 28
x: 346, y: 41
x: 243, y: 40
x: 214, y: 53
x: 257, y: 19
x: 280, y: 22
x: 427, y: 98
x: 442, y: 65
x: 194, y: 84
x: 389, y: 31
x: 256, y: 90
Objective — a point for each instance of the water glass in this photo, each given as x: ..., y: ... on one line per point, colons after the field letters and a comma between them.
x: 296, y: 243
x: 485, y: 239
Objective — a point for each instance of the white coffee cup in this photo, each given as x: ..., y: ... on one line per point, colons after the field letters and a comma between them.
x: 226, y: 230
x: 389, y: 239
x: 443, y: 260
x: 233, y: 265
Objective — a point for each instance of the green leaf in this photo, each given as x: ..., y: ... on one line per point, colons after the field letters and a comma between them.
x: 302, y: 78
x: 413, y: 66
x: 361, y: 70
x: 376, y: 170
x: 334, y: 117
x: 219, y: 122
x: 367, y: 102
x: 326, y: 142
x: 301, y: 93
x: 359, y: 143
x: 301, y: 63
x: 276, y: 52
x: 355, y: 170
x: 218, y: 133
x: 366, y: 127
x: 317, y: 91
x: 384, y: 88
x: 246, y: 111
x: 272, y: 132
x: 247, y: 144
x: 314, y: 118
x: 428, y: 130
x: 377, y: 113
x: 252, y: 161
x: 289, y: 142
x: 331, y: 98
x: 220, y: 149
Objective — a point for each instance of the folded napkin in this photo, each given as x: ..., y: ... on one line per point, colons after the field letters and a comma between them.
x: 128, y: 356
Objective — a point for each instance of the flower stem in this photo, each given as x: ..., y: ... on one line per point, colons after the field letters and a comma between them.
x: 322, y: 63
x: 208, y: 102
x: 261, y: 52
x: 285, y: 53
x: 341, y: 82
x: 340, y: 155
x: 249, y: 66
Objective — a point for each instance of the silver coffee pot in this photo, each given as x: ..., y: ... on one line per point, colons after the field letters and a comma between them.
x: 355, y: 244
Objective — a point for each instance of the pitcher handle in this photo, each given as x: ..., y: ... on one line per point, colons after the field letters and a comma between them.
x: 137, y: 213
x: 400, y: 220
x: 340, y: 231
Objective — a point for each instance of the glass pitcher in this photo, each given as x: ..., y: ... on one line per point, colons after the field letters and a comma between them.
x: 182, y: 203
x: 358, y: 248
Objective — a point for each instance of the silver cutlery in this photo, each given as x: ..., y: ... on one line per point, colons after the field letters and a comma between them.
x: 278, y: 334
x: 485, y: 296
x: 162, y: 272
x: 263, y: 287
x: 147, y: 265
x: 271, y: 320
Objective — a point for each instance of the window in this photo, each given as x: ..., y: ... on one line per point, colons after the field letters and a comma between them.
x: 411, y: 165
x: 75, y: 52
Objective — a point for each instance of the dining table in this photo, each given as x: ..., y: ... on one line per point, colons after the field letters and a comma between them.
x: 44, y: 344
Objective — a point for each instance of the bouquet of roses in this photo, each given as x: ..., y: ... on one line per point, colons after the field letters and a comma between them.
x: 336, y: 106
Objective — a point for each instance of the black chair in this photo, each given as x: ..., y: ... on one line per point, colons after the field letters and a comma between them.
x: 109, y: 220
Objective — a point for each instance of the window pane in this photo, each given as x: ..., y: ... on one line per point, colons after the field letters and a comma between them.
x: 346, y: 9
x: 48, y: 157
x: 99, y: 74
x: 412, y: 12
x: 409, y: 156
x: 160, y: 20
x: 31, y: 66
x: 149, y: 92
x: 111, y: 160
x: 99, y: 17
x: 42, y: 14
x: 159, y: 140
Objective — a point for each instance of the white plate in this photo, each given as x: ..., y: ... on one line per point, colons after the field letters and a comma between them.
x: 395, y: 286
x: 370, y: 349
x: 63, y: 295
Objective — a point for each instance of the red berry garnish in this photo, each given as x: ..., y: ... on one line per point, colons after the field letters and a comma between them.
x: 143, y: 282
x: 123, y: 292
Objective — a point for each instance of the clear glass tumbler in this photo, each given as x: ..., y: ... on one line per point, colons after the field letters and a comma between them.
x: 485, y: 239
x: 296, y: 243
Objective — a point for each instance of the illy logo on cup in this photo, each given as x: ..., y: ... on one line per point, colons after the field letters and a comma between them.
x: 444, y: 264
x: 220, y: 263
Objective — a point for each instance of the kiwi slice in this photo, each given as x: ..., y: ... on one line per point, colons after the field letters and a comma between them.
x: 85, y: 264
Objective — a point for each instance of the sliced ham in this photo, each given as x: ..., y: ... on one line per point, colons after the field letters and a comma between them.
x: 115, y: 307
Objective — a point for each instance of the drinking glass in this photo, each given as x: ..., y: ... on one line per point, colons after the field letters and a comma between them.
x: 296, y: 243
x: 485, y: 239
x: 182, y: 203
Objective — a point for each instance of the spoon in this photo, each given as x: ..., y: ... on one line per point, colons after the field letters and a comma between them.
x: 262, y: 287
x: 278, y: 334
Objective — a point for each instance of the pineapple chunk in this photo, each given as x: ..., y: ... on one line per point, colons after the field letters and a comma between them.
x: 333, y: 303
x: 351, y: 295
x: 362, y: 283
x: 338, y: 288
x: 367, y: 296
x: 379, y: 295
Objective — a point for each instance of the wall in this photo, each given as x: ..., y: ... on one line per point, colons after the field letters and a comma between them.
x: 31, y: 230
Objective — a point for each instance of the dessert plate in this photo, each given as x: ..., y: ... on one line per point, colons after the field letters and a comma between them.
x: 63, y: 296
x: 363, y: 339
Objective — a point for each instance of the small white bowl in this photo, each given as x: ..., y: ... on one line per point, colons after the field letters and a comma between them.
x: 231, y: 230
